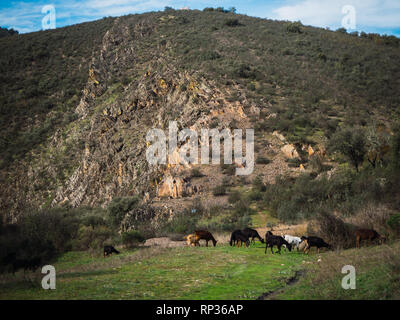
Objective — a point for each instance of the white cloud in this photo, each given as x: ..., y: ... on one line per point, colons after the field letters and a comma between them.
x: 324, y: 13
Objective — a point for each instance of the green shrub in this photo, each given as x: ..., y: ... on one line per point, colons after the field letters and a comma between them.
x: 119, y: 207
x: 262, y: 160
x: 229, y: 169
x: 294, y: 162
x: 182, y: 223
x: 91, y: 238
x: 132, y: 238
x: 394, y: 223
x: 93, y: 221
x: 232, y: 22
x: 334, y: 230
x: 234, y: 196
x: 38, y: 236
x: 259, y: 185
x: 196, y: 173
x: 294, y: 27
x: 219, y: 191
x: 255, y: 195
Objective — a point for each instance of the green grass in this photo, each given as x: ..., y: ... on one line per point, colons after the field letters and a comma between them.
x: 261, y: 218
x: 377, y: 276
x: 175, y: 273
x: 214, y: 273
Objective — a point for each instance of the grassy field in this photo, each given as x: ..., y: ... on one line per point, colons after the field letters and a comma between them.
x: 222, y: 272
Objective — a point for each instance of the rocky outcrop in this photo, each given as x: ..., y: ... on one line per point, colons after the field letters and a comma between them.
x: 290, y: 151
x: 176, y: 187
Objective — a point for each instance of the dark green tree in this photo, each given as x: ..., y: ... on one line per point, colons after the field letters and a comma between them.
x: 350, y: 142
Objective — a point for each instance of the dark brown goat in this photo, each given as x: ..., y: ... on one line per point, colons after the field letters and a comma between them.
x: 205, y: 235
x: 368, y: 234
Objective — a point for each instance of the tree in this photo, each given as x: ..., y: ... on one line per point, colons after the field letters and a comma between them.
x: 294, y: 27
x: 4, y: 32
x: 232, y: 9
x: 350, y: 142
x: 377, y: 139
x: 119, y: 207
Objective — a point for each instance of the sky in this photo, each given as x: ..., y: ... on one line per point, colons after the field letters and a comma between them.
x: 377, y: 16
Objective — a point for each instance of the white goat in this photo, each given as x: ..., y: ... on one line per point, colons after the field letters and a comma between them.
x: 294, y: 241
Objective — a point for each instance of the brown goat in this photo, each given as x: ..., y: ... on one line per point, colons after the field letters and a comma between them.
x: 192, y: 240
x: 368, y: 234
x: 205, y: 235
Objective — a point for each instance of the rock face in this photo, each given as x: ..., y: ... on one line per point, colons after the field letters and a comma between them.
x: 102, y: 154
x: 290, y: 151
x: 279, y: 135
x: 176, y: 187
x: 310, y: 151
x: 171, y: 187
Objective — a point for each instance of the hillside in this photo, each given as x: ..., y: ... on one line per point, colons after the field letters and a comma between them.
x: 77, y: 102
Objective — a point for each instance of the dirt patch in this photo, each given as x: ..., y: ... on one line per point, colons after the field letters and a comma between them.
x: 164, y: 242
x: 270, y: 295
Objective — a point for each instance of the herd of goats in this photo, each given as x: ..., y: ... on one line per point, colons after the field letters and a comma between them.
x: 248, y: 235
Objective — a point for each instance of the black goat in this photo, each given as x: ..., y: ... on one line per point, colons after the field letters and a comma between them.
x: 271, y: 240
x: 238, y: 236
x: 251, y: 233
x: 109, y: 250
x: 314, y: 242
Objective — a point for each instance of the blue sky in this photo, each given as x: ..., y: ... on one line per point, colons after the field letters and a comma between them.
x: 380, y: 16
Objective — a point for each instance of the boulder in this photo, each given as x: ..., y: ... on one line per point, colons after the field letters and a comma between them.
x: 290, y: 151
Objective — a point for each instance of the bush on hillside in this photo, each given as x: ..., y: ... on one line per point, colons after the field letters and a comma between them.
x: 219, y: 191
x: 132, y: 238
x: 119, y: 207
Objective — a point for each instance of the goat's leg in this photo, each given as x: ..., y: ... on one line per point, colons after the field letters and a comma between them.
x: 271, y: 249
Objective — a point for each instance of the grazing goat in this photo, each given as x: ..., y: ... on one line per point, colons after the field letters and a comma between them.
x: 238, y: 236
x: 294, y: 241
x: 368, y: 234
x: 271, y: 240
x: 192, y: 240
x: 253, y: 234
x: 315, y: 242
x: 109, y: 250
x: 205, y: 235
